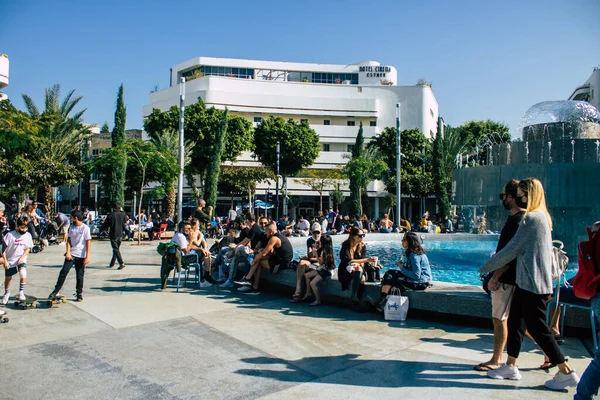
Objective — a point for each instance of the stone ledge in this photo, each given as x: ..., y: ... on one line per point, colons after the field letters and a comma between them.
x: 461, y: 301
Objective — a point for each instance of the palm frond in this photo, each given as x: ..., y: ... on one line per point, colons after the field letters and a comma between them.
x: 69, y: 104
x: 52, y: 99
x: 32, y: 109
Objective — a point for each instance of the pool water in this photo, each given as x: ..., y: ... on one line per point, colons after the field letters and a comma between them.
x: 453, y: 261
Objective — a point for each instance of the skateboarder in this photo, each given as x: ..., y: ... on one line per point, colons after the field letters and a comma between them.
x: 79, y: 245
x: 14, y: 257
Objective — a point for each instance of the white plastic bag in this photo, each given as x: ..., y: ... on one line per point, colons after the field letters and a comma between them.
x: 396, y: 307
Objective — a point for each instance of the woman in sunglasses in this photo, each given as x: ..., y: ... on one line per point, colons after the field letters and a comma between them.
x: 353, y: 255
x: 326, y: 264
x: 414, y: 274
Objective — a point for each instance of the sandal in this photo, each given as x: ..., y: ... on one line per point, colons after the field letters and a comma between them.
x: 296, y: 298
x: 547, y: 365
x: 483, y: 367
x: 315, y: 303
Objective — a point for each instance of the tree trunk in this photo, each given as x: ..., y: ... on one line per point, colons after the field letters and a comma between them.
x: 48, y: 200
x: 321, y: 201
x: 170, y: 201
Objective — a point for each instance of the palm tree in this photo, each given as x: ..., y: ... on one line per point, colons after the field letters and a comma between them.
x: 168, y: 140
x: 57, y: 156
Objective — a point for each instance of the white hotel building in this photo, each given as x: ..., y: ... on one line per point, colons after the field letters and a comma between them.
x: 334, y: 99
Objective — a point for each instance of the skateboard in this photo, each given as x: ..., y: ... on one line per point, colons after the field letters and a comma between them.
x: 55, y: 301
x: 29, y: 302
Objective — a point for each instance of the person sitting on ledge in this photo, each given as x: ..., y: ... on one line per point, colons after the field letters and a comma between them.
x: 302, y: 227
x: 308, y: 262
x: 277, y: 254
x: 404, y: 224
x: 415, y: 275
x: 326, y: 263
x: 423, y: 227
x: 385, y: 224
x: 448, y: 227
x: 285, y: 226
x: 353, y: 255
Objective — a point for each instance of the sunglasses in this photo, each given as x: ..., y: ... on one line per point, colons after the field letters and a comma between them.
x: 362, y: 235
x: 316, y: 233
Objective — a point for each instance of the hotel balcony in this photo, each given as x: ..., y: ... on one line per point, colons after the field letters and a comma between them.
x: 3, y: 71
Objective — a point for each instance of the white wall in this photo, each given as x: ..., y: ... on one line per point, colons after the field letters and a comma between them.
x: 4, y: 67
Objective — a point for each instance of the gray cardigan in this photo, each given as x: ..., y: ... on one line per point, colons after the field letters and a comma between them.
x: 532, y: 247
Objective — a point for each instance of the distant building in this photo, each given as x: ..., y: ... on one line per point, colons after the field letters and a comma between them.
x: 590, y: 90
x: 333, y: 99
x: 4, y: 64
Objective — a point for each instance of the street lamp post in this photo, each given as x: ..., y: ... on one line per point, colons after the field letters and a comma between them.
x: 181, y: 151
x: 277, y: 185
x: 398, y: 165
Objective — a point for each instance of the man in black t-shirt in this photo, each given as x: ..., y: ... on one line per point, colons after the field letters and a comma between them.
x: 502, y: 284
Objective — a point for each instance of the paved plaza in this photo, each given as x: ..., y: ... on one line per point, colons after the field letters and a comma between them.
x: 128, y: 340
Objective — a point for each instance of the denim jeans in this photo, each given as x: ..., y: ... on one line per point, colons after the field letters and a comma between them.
x: 221, y: 255
x: 240, y: 261
x: 590, y: 380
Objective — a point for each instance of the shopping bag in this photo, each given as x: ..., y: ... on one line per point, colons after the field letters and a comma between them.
x: 396, y: 307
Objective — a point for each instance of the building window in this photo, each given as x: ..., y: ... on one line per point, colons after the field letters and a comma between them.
x: 325, y: 146
x: 257, y: 120
x: 203, y: 70
x: 350, y: 147
x: 373, y: 123
x: 304, y: 120
x: 431, y: 111
x: 328, y: 77
x: 95, y: 152
x: 431, y: 134
x: 351, y: 123
x: 326, y: 122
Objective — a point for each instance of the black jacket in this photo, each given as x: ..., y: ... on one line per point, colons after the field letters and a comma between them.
x: 114, y: 223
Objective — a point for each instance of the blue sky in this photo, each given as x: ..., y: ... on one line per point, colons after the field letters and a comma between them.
x: 486, y: 59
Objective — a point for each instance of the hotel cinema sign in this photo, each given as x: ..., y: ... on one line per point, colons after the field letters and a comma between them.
x: 374, y: 71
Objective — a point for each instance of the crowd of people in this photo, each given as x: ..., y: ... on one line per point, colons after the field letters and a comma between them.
x: 519, y: 273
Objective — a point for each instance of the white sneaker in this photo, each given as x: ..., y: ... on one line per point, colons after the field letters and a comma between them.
x: 5, y: 298
x: 562, y: 381
x: 2, y: 312
x: 21, y: 296
x: 505, y: 372
x: 205, y: 284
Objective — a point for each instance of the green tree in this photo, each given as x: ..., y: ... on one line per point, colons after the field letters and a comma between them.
x: 319, y: 180
x: 447, y: 144
x: 56, y: 159
x: 337, y: 195
x: 147, y: 163
x: 416, y: 151
x: 201, y: 126
x: 118, y: 133
x: 360, y: 171
x: 105, y: 128
x: 116, y: 178
x: 245, y: 179
x: 481, y: 135
x: 212, y: 172
x: 359, y: 143
x: 299, y: 146
x: 163, y: 133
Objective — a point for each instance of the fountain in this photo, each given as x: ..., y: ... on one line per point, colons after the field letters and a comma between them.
x: 569, y: 132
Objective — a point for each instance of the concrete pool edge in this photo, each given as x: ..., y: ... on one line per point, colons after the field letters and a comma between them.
x: 383, y: 237
x: 448, y: 299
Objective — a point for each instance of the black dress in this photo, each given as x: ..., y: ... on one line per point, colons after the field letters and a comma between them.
x: 344, y: 276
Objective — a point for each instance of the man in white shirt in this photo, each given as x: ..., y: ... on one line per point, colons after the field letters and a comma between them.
x: 232, y: 215
x: 303, y: 226
x: 14, y: 257
x: 79, y: 245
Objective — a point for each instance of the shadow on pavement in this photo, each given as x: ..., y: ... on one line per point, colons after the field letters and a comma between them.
x: 381, y: 373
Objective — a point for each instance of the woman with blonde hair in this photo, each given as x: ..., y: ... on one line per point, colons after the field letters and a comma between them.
x: 532, y: 247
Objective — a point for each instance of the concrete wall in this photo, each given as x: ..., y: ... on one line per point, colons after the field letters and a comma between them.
x: 571, y: 195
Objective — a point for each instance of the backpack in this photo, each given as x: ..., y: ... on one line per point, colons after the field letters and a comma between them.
x: 586, y: 283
